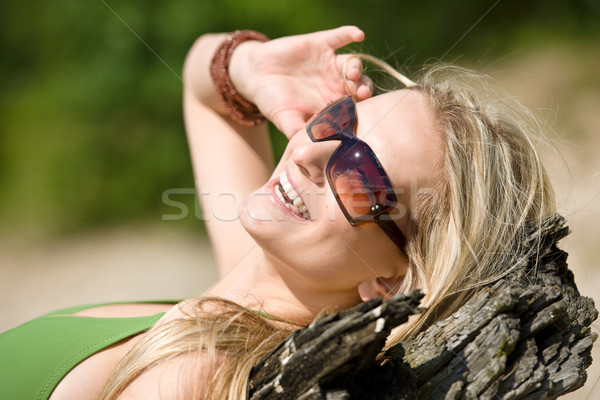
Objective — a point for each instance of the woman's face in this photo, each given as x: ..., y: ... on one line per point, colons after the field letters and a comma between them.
x: 313, y: 240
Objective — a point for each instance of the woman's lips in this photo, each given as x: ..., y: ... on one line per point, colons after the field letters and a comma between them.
x: 291, y: 195
x: 283, y: 201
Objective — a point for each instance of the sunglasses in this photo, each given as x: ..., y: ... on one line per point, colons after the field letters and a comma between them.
x: 358, y: 181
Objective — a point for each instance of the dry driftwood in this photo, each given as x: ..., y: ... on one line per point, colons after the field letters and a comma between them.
x: 525, y: 337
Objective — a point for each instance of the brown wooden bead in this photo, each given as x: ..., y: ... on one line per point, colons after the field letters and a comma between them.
x: 239, y: 109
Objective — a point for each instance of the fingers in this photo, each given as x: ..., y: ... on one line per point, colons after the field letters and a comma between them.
x: 342, y: 36
x: 357, y: 84
x: 361, y: 90
x: 365, y: 88
x: 351, y: 66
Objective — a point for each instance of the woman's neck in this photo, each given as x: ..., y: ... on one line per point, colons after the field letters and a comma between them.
x: 260, y: 282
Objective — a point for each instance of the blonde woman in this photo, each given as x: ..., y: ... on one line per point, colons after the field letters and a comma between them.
x: 416, y: 188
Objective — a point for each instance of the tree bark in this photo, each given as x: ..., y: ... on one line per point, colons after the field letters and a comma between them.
x: 527, y: 336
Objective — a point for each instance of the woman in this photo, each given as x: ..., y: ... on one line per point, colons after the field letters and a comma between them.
x: 422, y: 187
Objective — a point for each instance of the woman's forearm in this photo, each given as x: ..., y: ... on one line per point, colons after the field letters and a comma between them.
x: 196, y: 71
x: 229, y: 160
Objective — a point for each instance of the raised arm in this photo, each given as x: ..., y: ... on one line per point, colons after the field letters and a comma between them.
x: 289, y: 79
x: 229, y: 160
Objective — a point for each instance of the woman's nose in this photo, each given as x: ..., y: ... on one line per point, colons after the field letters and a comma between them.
x: 312, y: 157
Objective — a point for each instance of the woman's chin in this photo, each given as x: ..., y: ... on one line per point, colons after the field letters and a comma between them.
x: 257, y: 212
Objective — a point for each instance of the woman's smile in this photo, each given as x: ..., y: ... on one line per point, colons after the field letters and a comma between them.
x: 286, y: 199
x: 289, y: 197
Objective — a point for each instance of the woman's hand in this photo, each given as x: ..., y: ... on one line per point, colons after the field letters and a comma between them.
x: 291, y: 78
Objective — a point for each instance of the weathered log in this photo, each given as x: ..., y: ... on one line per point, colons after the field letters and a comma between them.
x: 328, y: 354
x: 527, y: 336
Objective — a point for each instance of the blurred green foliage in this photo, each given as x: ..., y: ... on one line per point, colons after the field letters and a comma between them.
x: 91, y: 130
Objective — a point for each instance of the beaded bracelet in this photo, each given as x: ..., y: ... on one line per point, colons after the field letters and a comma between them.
x: 239, y: 109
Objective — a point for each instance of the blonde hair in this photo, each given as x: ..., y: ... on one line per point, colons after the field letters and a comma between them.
x: 468, y: 230
x: 225, y: 338
x: 490, y: 187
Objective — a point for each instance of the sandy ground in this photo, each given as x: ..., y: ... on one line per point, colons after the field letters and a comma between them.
x: 159, y: 263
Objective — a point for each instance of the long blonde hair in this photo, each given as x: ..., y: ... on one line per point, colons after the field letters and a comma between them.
x: 468, y: 230
x: 225, y: 338
x: 491, y: 185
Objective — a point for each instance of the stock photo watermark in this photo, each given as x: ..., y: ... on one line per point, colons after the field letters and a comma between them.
x: 227, y: 207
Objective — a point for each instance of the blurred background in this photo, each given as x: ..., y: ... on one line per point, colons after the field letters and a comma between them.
x: 91, y: 131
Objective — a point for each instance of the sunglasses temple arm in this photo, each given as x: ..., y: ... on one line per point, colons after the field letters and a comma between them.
x: 393, y: 232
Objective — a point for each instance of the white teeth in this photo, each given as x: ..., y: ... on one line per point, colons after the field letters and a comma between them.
x: 285, y: 185
x: 280, y: 196
x: 289, y: 190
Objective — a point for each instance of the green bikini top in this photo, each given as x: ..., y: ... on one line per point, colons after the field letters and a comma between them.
x: 35, y: 356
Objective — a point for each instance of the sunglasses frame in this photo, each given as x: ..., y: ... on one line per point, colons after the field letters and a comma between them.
x: 379, y: 213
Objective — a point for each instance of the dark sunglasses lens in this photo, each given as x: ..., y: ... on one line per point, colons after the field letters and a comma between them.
x: 358, y: 181
x: 338, y: 118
